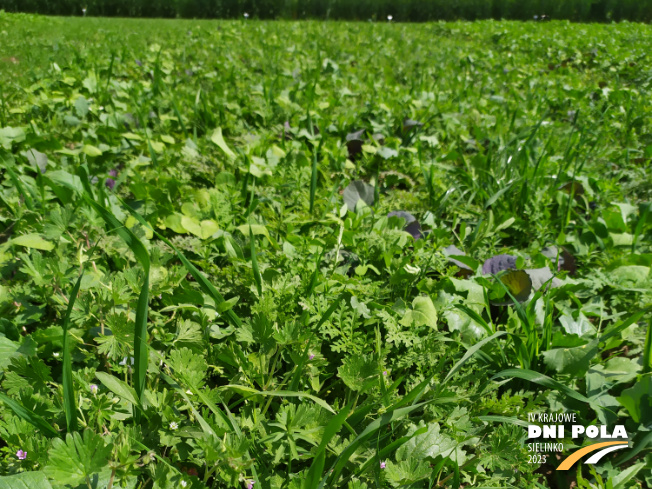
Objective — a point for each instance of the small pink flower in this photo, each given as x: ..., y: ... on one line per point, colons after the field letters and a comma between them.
x: 382, y: 465
x: 311, y: 356
x: 94, y: 389
x: 250, y: 484
x: 21, y: 455
x: 384, y: 372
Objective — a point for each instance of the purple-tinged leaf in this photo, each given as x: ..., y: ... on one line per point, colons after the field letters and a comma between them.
x: 354, y: 143
x: 563, y: 259
x: 356, y: 191
x: 498, y: 263
x: 412, y: 226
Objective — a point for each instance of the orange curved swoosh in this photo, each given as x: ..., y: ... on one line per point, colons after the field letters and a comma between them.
x: 575, y: 456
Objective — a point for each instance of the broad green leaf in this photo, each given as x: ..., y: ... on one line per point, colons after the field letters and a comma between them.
x: 91, y: 150
x: 204, y: 229
x: 33, y: 240
x: 567, y: 360
x: 8, y: 350
x: 218, y: 139
x: 638, y: 400
x: 257, y: 230
x: 11, y: 135
x: 422, y: 313
x: 631, y: 274
x: 118, y: 387
x: 81, y: 107
x: 25, y: 480
x: 356, y: 191
x: 580, y: 326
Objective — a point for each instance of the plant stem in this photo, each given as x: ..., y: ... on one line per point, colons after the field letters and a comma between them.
x: 110, y: 484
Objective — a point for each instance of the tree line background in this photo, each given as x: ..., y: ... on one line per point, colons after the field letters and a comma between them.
x: 400, y: 10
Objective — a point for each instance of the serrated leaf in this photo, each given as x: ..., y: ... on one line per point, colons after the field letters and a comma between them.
x: 407, y: 472
x: 431, y: 443
x: 72, y: 461
x: 359, y: 372
x: 188, y: 366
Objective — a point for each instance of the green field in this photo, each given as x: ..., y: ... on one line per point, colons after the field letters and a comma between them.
x: 202, y: 284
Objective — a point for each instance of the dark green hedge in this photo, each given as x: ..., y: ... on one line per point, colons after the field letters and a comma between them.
x: 401, y: 10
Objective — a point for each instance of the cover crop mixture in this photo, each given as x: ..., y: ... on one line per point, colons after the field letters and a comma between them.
x: 306, y: 255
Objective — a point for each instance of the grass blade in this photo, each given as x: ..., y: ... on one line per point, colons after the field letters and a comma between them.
x: 543, y: 380
x: 332, y: 428
x: 29, y: 203
x: 30, y: 416
x: 203, y: 282
x: 313, y: 178
x: 504, y: 419
x: 69, y: 404
x: 254, y: 264
x: 140, y: 333
x: 316, y: 400
x: 475, y: 316
x: 647, y: 351
x: 372, y: 428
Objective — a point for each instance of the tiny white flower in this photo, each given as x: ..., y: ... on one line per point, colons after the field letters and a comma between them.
x: 189, y: 392
x: 390, y: 17
x: 174, y: 425
x: 246, y: 15
x: 56, y: 354
x: 184, y: 483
